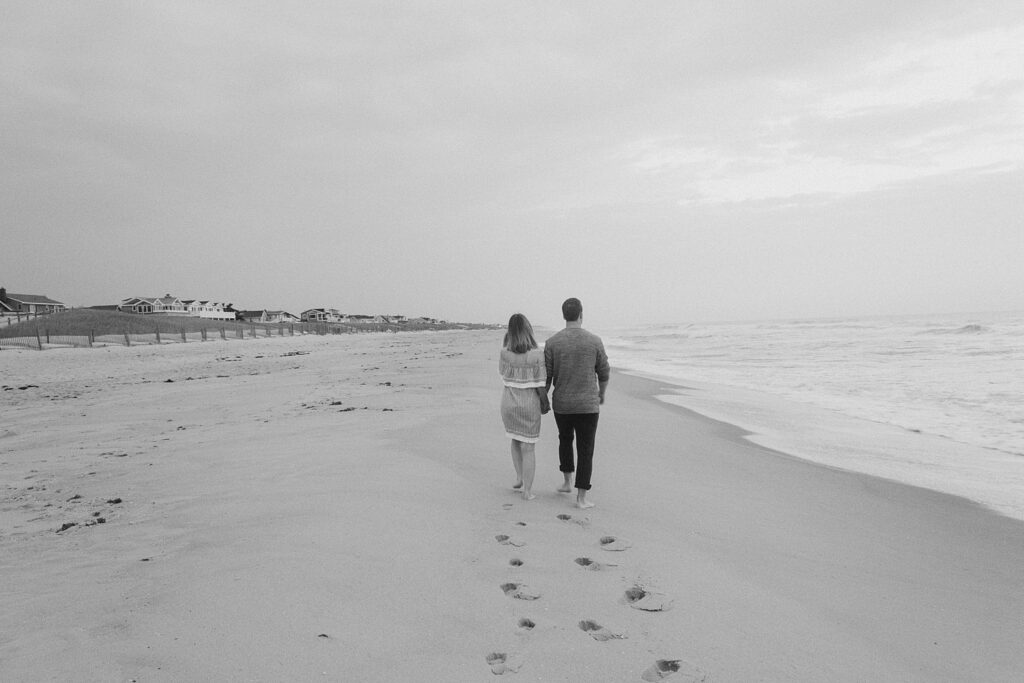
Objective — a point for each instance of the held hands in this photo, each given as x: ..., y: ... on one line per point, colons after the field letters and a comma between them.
x: 545, y: 405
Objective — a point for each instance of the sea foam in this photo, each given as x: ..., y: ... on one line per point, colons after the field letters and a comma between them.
x: 932, y: 401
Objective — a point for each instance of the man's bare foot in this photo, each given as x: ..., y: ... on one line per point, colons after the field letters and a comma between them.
x: 528, y: 496
x: 518, y: 484
x: 564, y: 488
x: 583, y: 503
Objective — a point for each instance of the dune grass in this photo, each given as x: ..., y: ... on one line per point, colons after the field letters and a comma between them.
x: 84, y: 321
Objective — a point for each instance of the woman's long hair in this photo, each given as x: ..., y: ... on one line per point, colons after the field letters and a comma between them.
x: 519, y: 337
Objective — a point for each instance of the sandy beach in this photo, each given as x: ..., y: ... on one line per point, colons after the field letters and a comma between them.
x: 340, y: 508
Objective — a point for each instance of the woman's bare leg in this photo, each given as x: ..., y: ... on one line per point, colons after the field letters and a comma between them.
x: 529, y: 465
x: 517, y: 462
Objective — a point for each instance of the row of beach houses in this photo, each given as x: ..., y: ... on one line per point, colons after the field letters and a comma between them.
x: 167, y: 305
x: 217, y: 310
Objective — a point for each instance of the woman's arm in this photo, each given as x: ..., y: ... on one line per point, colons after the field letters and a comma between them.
x: 545, y: 405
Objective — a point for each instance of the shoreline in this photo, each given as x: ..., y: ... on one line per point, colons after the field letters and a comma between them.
x: 985, y: 476
x: 333, y: 506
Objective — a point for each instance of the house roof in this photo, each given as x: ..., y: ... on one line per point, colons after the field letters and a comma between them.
x: 32, y: 299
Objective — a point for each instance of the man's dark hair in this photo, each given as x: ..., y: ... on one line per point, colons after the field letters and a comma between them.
x: 572, y: 309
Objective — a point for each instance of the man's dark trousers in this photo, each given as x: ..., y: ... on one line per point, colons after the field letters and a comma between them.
x: 582, y: 427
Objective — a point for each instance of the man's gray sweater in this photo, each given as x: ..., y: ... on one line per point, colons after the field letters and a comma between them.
x: 575, y: 361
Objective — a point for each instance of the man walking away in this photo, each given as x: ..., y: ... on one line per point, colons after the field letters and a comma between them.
x: 577, y: 367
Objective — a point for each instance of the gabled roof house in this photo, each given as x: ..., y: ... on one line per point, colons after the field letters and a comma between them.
x: 31, y: 304
x: 322, y: 315
x: 166, y: 305
x: 265, y: 316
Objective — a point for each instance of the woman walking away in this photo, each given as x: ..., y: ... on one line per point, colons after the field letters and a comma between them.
x: 524, y: 399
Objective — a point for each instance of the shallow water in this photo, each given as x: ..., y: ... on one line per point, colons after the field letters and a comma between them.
x: 929, y: 400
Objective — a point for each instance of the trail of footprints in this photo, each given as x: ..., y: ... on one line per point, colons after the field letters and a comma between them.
x: 638, y: 597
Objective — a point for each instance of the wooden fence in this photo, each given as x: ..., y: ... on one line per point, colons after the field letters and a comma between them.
x: 43, y: 339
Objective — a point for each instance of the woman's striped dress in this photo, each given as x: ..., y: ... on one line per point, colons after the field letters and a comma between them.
x: 522, y: 374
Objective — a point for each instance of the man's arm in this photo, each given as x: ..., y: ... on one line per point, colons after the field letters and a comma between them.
x: 549, y: 368
x: 603, y: 370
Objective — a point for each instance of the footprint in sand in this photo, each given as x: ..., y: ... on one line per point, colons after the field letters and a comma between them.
x: 501, y: 663
x: 614, y: 543
x: 519, y: 591
x: 598, y: 632
x: 508, y: 540
x: 526, y: 624
x: 664, y: 668
x: 640, y: 598
x: 591, y: 565
x: 582, y: 521
x: 515, y: 562
x: 507, y: 506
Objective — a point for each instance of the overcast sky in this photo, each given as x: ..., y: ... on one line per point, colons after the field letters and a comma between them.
x: 665, y: 161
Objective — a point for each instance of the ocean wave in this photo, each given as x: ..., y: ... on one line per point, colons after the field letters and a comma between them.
x: 966, y: 329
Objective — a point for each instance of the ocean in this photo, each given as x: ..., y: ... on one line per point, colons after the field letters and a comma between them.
x: 935, y: 401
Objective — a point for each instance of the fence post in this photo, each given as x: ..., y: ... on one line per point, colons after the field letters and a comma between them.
x: 92, y: 337
x: 39, y: 342
x: 241, y: 332
x: 46, y: 331
x: 183, y: 340
x: 204, y: 334
x: 157, y: 334
x: 127, y: 341
x: 223, y: 333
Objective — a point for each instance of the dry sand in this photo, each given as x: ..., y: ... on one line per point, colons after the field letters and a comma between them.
x: 340, y: 508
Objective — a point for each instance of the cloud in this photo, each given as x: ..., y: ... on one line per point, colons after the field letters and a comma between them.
x: 917, y: 110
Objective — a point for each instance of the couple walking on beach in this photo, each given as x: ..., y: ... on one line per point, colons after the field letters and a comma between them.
x: 575, y: 364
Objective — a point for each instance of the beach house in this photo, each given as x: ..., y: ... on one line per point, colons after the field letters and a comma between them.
x: 265, y: 316
x: 28, y: 304
x: 210, y: 310
x: 162, y: 305
x: 322, y: 315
